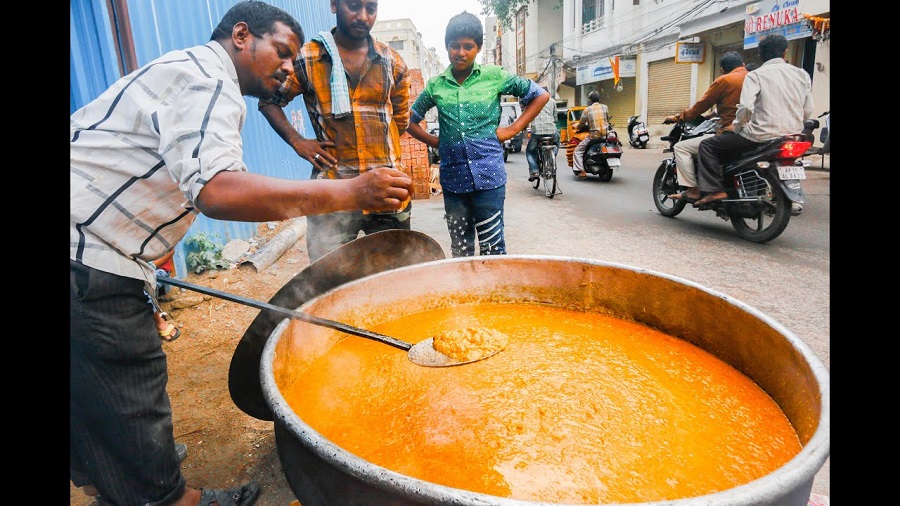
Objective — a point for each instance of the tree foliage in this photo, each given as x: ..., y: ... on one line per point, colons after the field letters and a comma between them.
x: 505, y: 10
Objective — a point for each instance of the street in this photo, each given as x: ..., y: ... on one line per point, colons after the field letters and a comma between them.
x: 787, y: 279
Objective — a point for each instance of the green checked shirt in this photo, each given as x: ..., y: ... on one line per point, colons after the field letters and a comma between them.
x: 468, y: 116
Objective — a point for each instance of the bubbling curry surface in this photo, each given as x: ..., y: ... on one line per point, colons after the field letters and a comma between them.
x: 578, y: 408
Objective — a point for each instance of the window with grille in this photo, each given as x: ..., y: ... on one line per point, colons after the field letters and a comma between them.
x: 591, y: 10
x: 520, y: 41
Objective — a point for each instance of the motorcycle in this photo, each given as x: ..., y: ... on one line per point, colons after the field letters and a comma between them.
x: 638, y: 135
x: 434, y: 156
x: 825, y: 134
x: 763, y: 185
x: 601, y: 156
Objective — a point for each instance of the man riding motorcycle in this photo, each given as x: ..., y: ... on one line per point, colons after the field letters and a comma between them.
x: 596, y: 119
x: 761, y: 115
x: 724, y: 94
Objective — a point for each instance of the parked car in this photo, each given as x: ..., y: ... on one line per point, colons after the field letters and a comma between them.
x: 512, y: 110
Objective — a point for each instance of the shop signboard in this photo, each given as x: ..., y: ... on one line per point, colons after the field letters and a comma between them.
x: 773, y: 16
x: 603, y: 69
x: 689, y: 52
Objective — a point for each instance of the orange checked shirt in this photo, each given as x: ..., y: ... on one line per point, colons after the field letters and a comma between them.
x: 368, y: 138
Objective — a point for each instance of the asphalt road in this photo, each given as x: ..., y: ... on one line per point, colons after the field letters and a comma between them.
x: 788, y: 278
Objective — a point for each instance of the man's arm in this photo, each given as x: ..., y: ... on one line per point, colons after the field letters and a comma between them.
x: 400, y: 94
x: 749, y: 91
x: 244, y: 196
x: 710, y: 98
x: 306, y: 148
x: 419, y: 133
x: 528, y: 114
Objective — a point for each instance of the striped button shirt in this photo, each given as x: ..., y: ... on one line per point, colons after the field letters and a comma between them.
x: 368, y: 138
x: 775, y: 100
x: 545, y: 122
x: 140, y: 153
x: 468, y: 116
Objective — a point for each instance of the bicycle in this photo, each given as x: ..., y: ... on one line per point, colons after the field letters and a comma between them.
x: 547, y: 164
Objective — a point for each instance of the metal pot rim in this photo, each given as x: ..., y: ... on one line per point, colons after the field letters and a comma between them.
x: 764, y: 490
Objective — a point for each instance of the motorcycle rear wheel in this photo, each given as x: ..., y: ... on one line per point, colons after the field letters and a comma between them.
x: 770, y: 222
x: 605, y: 175
x: 665, y: 183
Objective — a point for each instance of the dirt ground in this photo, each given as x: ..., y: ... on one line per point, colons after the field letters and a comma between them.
x: 226, y: 447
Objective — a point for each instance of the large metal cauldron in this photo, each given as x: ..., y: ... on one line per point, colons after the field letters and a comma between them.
x: 323, y: 474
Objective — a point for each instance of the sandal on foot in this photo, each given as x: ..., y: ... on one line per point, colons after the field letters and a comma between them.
x: 709, y: 199
x: 244, y: 495
x: 170, y: 334
x: 684, y: 196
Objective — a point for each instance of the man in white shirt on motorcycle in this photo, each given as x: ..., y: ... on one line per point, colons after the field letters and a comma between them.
x: 775, y: 100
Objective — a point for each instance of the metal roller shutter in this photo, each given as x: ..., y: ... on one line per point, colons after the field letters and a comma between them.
x: 620, y: 103
x: 669, y: 90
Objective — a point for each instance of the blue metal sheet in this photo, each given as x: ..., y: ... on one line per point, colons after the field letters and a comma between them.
x: 92, y: 57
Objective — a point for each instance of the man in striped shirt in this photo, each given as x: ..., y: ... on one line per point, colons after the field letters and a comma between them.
x: 544, y: 125
x: 356, y: 92
x: 161, y: 145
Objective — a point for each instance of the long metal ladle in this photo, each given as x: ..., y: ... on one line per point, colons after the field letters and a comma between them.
x: 422, y: 353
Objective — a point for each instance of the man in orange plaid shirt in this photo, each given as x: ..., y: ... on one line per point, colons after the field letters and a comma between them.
x: 356, y: 91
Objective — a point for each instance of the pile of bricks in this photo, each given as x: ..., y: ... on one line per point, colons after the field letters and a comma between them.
x: 414, y: 154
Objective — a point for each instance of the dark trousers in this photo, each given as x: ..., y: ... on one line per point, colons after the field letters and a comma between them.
x: 327, y: 232
x: 478, y: 214
x: 120, y: 417
x: 712, y: 155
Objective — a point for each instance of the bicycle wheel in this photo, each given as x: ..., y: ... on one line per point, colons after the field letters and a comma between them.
x: 548, y: 172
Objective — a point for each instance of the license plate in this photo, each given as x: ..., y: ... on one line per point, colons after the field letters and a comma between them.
x: 645, y: 137
x: 791, y: 172
x: 613, y: 162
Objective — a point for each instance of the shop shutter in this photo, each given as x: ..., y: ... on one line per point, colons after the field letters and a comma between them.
x: 669, y: 90
x: 620, y: 103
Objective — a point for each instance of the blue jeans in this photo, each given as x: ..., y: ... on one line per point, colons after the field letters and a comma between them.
x: 531, y: 151
x: 477, y: 213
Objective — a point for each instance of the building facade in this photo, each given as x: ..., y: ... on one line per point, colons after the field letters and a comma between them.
x: 402, y: 36
x: 655, y: 58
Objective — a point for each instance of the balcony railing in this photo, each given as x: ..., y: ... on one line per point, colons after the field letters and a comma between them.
x: 592, y: 25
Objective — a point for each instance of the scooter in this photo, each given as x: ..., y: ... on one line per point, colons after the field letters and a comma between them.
x: 763, y: 184
x: 638, y: 135
x: 825, y: 134
x: 601, y: 156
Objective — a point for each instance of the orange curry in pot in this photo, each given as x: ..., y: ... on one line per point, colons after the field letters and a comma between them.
x: 578, y: 408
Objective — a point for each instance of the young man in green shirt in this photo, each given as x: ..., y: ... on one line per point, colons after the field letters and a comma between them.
x: 473, y: 175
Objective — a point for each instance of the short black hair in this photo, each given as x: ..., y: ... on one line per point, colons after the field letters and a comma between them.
x: 593, y: 96
x: 464, y: 25
x: 773, y: 46
x: 260, y: 18
x: 730, y: 61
